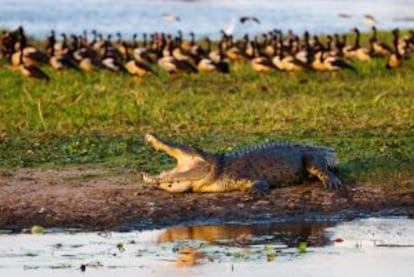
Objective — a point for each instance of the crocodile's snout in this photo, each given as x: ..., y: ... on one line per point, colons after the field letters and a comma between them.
x: 150, y: 137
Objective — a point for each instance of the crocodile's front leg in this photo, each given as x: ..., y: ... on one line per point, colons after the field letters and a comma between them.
x: 316, y: 167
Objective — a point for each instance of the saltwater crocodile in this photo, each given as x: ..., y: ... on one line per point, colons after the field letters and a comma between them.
x: 255, y: 169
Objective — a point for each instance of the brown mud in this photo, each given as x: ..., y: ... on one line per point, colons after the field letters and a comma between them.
x: 100, y: 198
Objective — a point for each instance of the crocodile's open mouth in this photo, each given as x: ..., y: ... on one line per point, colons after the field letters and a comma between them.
x: 191, y: 166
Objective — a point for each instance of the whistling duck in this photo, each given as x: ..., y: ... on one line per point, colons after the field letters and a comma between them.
x: 330, y: 63
x: 409, y: 38
x: 185, y: 44
x: 317, y: 64
x: 31, y: 55
x: 269, y: 46
x: 134, y: 67
x: 87, y: 59
x: 217, y: 57
x: 378, y: 49
x: 356, y: 51
x: 173, y: 65
x: 395, y: 60
x: 51, y: 41
x: 339, y: 45
x: 84, y: 55
x: 333, y: 63
x: 183, y: 55
x: 330, y: 48
x: 139, y: 53
x: 61, y: 47
x: 302, y: 53
x: 30, y: 70
x: 288, y: 62
x: 62, y: 61
x: 87, y: 64
x: 94, y: 39
x: 232, y: 52
x: 213, y: 55
x: 98, y: 43
x: 144, y: 53
x: 7, y: 44
x: 405, y: 44
x: 208, y: 65
x: 119, y: 46
x: 260, y: 63
x: 110, y: 61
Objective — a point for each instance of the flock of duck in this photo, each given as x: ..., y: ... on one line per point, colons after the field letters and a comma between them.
x: 271, y: 51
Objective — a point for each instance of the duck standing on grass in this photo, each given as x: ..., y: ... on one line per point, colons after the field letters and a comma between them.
x: 395, y: 60
x: 31, y: 70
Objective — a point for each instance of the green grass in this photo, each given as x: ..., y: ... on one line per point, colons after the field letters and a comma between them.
x: 102, y: 117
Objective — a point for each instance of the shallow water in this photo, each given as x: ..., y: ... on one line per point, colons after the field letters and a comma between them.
x: 367, y: 247
x: 205, y: 17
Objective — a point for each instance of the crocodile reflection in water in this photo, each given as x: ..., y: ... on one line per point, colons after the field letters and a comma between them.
x: 289, y: 234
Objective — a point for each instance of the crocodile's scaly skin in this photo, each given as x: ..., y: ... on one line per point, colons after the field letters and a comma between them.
x: 255, y: 168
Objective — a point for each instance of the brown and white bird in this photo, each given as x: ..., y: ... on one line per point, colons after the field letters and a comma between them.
x: 356, y: 51
x: 259, y: 63
x: 136, y: 68
x: 378, y: 48
x: 395, y: 60
x: 31, y: 70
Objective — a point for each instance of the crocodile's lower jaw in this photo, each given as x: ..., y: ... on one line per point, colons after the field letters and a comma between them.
x: 182, y: 186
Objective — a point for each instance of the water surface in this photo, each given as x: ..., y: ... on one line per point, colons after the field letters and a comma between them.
x: 366, y: 247
x: 205, y: 17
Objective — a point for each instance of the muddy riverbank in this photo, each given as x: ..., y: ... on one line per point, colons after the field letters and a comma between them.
x: 96, y: 198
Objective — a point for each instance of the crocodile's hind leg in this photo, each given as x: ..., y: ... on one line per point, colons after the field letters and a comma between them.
x: 259, y: 188
x: 317, y: 167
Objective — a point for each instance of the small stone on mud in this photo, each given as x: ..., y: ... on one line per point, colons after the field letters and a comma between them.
x: 262, y: 202
x: 291, y: 206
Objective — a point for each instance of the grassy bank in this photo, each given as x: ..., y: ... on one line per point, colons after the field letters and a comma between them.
x: 101, y: 117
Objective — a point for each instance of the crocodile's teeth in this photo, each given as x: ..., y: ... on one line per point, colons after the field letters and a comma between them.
x: 148, y: 178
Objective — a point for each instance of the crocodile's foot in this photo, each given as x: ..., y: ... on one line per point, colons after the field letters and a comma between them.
x: 333, y: 182
x: 259, y: 188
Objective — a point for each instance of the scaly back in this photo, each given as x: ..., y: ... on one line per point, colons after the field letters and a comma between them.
x: 327, y: 153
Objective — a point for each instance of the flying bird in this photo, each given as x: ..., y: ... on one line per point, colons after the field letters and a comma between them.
x: 169, y: 17
x: 369, y: 19
x: 243, y: 19
x: 344, y: 15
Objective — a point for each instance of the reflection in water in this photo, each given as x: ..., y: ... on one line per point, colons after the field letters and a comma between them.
x: 287, y: 234
x: 230, y: 250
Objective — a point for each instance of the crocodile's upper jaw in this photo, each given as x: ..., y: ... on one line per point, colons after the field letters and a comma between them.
x: 194, y: 167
